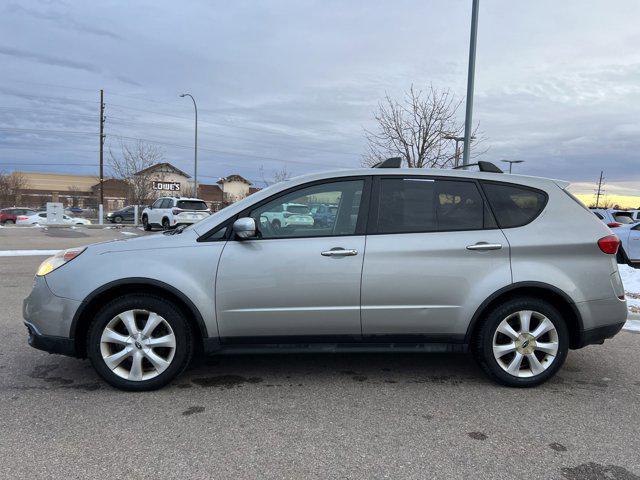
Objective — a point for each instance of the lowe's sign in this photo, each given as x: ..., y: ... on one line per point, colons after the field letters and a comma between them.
x: 166, y: 186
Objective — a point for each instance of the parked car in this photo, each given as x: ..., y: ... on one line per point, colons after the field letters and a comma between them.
x: 613, y: 218
x: 324, y: 215
x: 629, y: 235
x: 125, y: 214
x: 40, y: 218
x: 288, y: 215
x: 169, y: 212
x: 436, y: 261
x: 73, y: 211
x: 8, y: 216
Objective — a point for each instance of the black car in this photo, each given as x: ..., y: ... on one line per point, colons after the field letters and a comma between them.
x: 123, y: 215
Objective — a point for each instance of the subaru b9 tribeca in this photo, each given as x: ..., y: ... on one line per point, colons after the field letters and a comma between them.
x: 414, y: 260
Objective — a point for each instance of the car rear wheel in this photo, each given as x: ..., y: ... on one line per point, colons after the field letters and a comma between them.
x: 522, y: 343
x: 145, y: 223
x: 165, y: 224
x: 139, y: 342
x: 9, y: 222
x: 275, y: 224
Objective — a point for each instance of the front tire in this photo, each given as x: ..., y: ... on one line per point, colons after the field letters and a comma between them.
x: 9, y: 222
x: 117, y: 219
x: 139, y: 342
x: 522, y: 343
x: 145, y: 223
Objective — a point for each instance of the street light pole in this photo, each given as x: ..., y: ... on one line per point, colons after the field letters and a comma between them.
x: 195, y: 150
x: 470, y: 80
x: 456, y: 139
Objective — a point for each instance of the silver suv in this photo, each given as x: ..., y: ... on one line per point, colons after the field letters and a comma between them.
x: 412, y: 261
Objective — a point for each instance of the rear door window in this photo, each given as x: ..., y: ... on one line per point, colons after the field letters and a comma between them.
x: 514, y: 206
x: 409, y: 205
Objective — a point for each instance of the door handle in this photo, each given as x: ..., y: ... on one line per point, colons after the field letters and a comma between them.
x: 484, y: 246
x: 339, y: 252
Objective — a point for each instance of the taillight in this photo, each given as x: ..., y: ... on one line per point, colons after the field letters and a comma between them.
x: 22, y: 218
x: 614, y: 224
x: 609, y: 244
x: 176, y: 211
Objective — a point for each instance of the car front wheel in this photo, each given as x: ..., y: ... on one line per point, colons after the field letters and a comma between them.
x: 139, y: 342
x: 522, y: 343
x: 145, y: 223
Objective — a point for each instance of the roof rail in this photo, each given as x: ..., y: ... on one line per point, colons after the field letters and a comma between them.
x: 393, y: 162
x: 482, y: 166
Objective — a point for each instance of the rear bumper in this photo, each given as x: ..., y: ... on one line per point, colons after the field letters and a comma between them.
x: 598, y: 335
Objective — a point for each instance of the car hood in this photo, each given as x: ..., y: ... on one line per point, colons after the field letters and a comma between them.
x: 147, y: 242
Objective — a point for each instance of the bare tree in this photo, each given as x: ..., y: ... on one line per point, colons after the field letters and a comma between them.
x: 11, y: 187
x: 129, y: 166
x: 415, y: 129
x: 277, y: 176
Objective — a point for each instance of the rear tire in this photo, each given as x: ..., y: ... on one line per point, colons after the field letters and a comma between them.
x: 165, y: 224
x: 142, y: 365
x: 117, y: 219
x: 145, y: 224
x: 9, y: 222
x: 275, y: 224
x: 522, y: 356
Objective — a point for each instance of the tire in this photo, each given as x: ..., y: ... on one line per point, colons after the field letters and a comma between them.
x: 529, y: 373
x: 9, y: 222
x: 117, y: 219
x: 145, y: 224
x: 170, y: 361
x: 275, y: 224
x: 165, y: 224
x: 621, y: 257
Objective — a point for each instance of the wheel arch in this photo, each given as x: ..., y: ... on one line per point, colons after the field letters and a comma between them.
x: 96, y: 299
x: 559, y: 299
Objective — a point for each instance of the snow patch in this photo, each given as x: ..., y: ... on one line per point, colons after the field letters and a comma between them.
x: 129, y: 233
x: 632, y: 326
x: 27, y: 253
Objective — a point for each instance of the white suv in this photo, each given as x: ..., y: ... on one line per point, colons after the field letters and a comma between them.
x: 169, y: 212
x: 289, y: 215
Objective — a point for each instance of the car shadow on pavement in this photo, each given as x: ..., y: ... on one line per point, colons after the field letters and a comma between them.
x: 297, y: 369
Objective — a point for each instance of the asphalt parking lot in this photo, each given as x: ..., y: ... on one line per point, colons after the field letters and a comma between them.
x: 306, y: 416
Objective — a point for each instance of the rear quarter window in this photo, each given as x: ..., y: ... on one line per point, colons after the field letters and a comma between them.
x: 513, y: 205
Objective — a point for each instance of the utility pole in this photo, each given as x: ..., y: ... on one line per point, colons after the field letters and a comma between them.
x: 101, y: 149
x: 470, y: 79
x: 599, y: 191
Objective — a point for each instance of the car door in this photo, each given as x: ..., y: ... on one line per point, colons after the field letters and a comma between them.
x: 434, y: 255
x: 155, y: 212
x: 296, y: 281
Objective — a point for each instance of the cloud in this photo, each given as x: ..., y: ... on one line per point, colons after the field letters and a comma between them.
x: 47, y: 59
x: 62, y: 20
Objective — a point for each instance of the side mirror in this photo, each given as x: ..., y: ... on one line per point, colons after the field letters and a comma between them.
x: 244, y: 228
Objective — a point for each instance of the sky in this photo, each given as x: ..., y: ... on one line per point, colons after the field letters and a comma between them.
x: 295, y: 83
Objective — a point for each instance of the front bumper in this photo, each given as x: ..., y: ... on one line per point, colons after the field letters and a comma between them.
x: 49, y: 318
x: 50, y: 343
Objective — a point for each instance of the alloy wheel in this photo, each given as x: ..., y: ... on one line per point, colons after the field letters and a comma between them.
x: 137, y: 345
x: 525, y: 343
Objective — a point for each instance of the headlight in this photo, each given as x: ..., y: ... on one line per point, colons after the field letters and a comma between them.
x: 59, y: 259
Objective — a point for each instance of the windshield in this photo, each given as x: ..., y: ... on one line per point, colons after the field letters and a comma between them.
x: 192, y: 205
